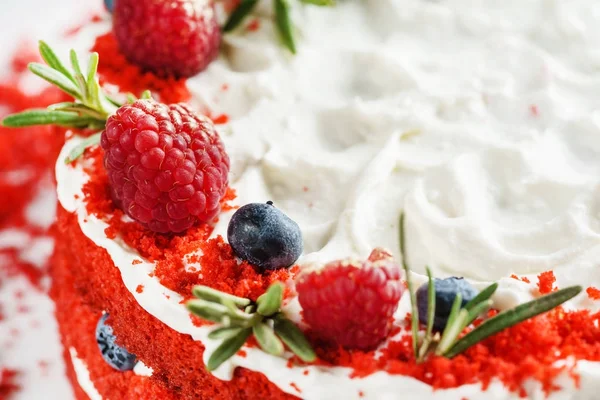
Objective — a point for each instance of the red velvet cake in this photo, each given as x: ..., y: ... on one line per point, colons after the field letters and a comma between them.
x: 245, y: 186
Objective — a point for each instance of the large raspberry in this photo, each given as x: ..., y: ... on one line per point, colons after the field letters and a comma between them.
x: 351, y: 303
x: 166, y: 165
x: 170, y: 37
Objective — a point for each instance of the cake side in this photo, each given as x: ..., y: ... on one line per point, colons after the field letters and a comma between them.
x: 175, y: 358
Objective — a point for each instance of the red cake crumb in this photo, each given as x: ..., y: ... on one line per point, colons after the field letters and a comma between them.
x: 8, y: 384
x: 546, y: 282
x: 116, y: 70
x: 593, y: 293
x: 534, y: 110
x: 525, y: 351
x: 254, y: 25
x: 293, y: 384
x: 522, y: 279
x: 139, y: 288
x: 220, y: 119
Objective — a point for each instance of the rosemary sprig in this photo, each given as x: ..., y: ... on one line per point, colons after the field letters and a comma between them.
x: 413, y: 298
x: 430, y: 317
x: 91, y: 106
x: 239, y: 14
x: 448, y: 343
x: 239, y: 318
x: 283, y: 21
x: 284, y: 25
x: 512, y: 317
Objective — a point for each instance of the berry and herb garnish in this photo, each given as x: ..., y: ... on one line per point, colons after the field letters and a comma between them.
x: 283, y: 22
x: 264, y: 236
x: 461, y: 316
x: 239, y: 318
x: 351, y: 303
x: 166, y: 165
x: 114, y: 355
x: 446, y: 291
x: 169, y: 37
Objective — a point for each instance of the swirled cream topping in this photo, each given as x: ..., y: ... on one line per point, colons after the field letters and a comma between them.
x: 478, y: 119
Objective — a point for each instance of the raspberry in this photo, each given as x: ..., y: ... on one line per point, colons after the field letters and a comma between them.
x: 351, y: 303
x: 167, y: 166
x: 168, y: 37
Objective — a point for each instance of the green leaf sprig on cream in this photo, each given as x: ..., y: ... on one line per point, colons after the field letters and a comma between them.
x: 449, y: 343
x: 283, y: 22
x: 239, y: 318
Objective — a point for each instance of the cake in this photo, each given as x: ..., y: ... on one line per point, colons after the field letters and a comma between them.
x: 398, y: 139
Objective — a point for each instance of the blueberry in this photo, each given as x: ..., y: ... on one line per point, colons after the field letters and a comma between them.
x: 445, y: 293
x: 116, y: 356
x: 109, y: 4
x: 264, y: 236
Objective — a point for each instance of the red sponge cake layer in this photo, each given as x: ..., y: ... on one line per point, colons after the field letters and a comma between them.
x: 86, y: 283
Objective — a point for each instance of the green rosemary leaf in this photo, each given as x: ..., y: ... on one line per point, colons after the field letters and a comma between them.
x: 319, y: 2
x: 75, y: 62
x: 92, y: 67
x: 431, y: 301
x: 131, y: 98
x: 53, y: 61
x: 225, y: 332
x: 511, y: 317
x: 210, y: 294
x: 294, y: 339
x: 430, y: 315
x: 230, y: 305
x: 78, y: 108
x: 270, y: 302
x: 206, y: 310
x: 476, y: 311
x: 79, y: 150
x: 55, y: 78
x: 413, y: 298
x: 482, y: 296
x: 83, y: 88
x: 454, y: 324
x: 454, y: 310
x: 424, y: 349
x: 227, y: 349
x: 452, y: 331
x: 267, y: 339
x: 44, y: 117
x: 93, y: 86
x: 284, y: 25
x: 238, y: 15
x: 217, y: 312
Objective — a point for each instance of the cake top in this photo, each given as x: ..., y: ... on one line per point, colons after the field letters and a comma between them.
x: 443, y: 126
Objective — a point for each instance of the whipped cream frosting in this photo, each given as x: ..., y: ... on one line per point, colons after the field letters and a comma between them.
x: 478, y: 119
